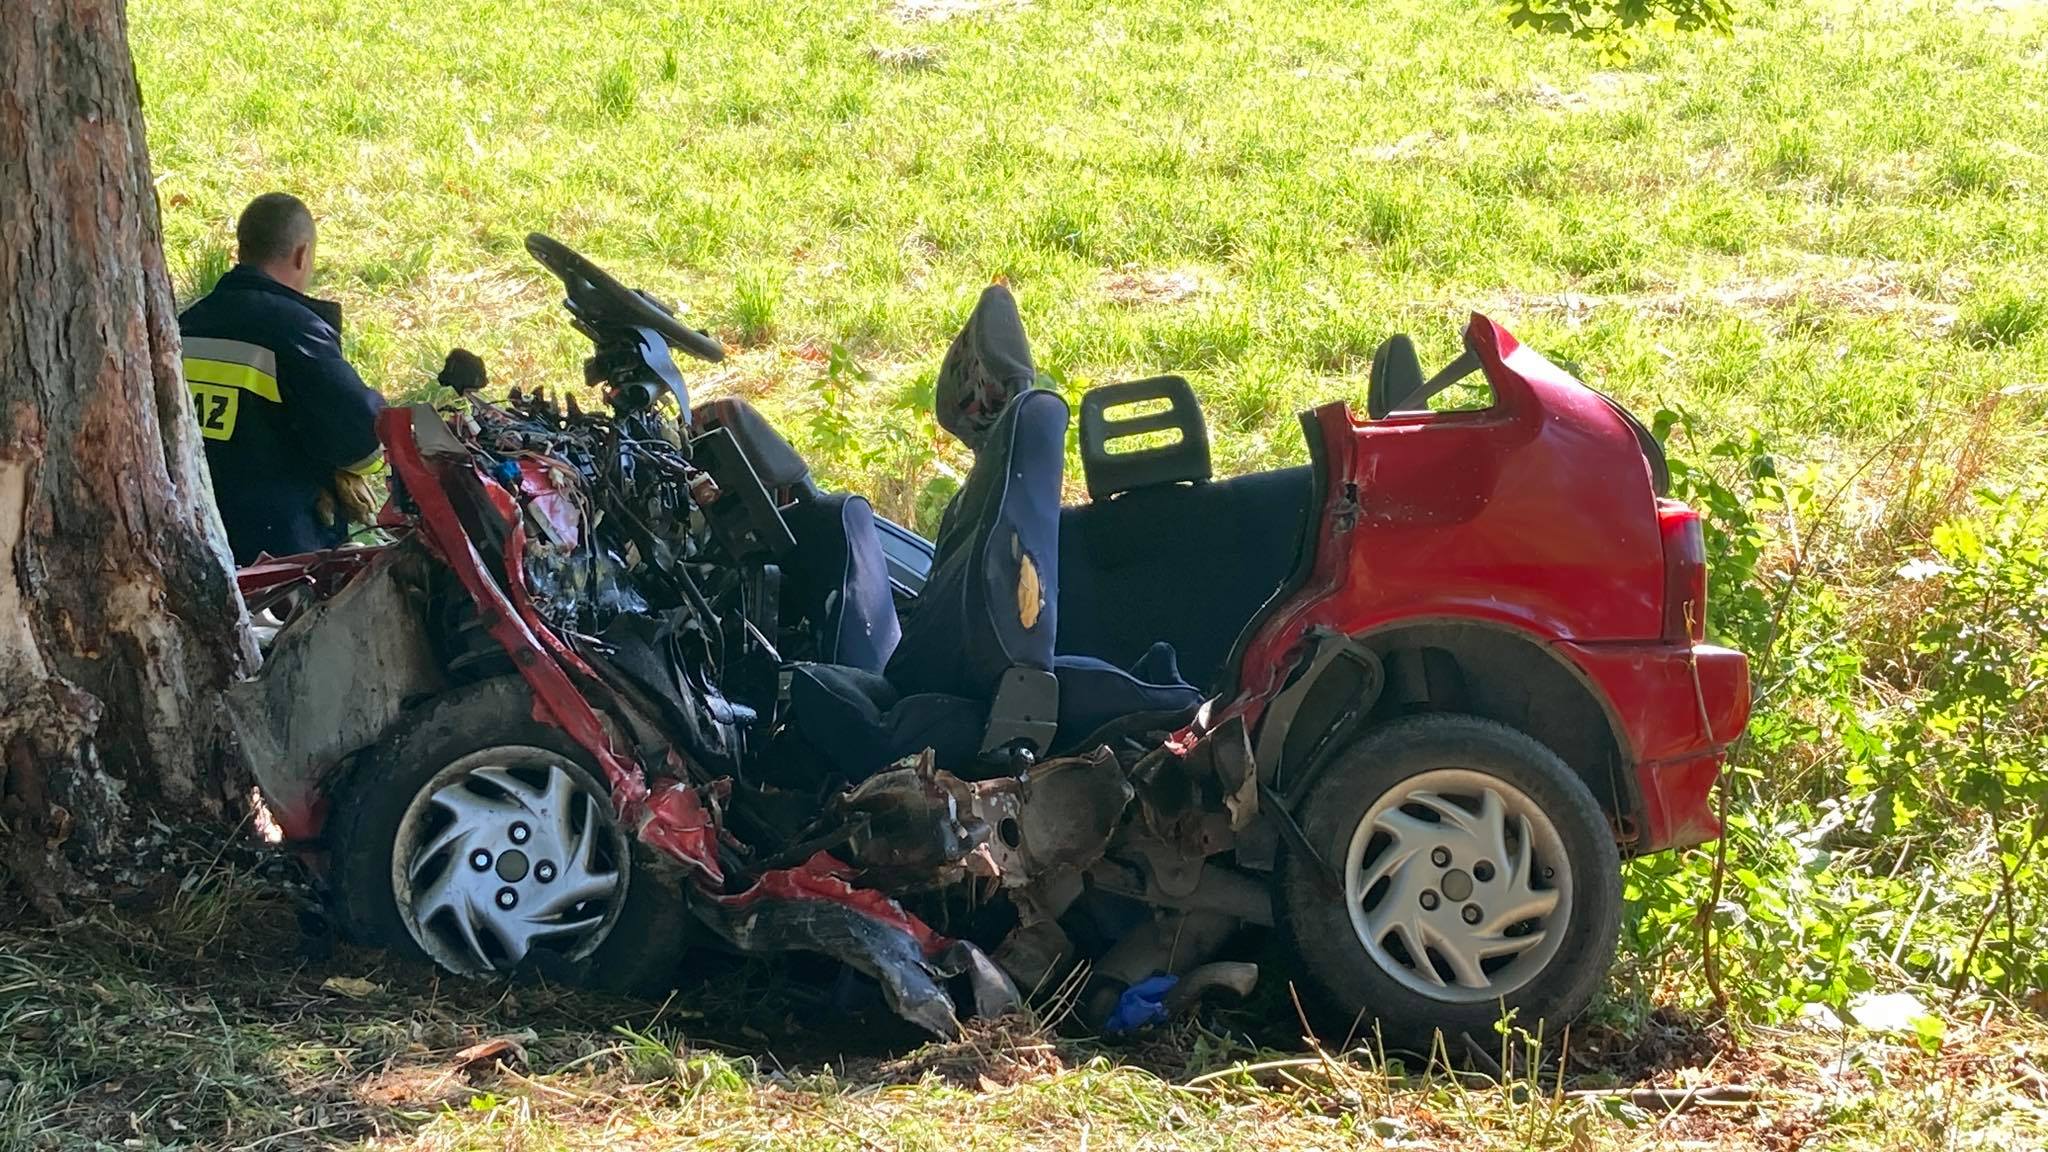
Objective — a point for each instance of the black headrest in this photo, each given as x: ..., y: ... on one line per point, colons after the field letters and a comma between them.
x: 987, y: 366
x: 774, y: 460
x: 1396, y: 377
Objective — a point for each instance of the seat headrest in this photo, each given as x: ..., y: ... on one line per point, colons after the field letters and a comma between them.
x: 775, y: 461
x: 1396, y: 377
x: 988, y: 365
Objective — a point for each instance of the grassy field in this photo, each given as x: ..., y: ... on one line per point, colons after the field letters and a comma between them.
x: 1820, y: 227
x: 1823, y: 239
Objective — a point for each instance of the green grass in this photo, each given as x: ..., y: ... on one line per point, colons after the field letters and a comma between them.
x: 1713, y: 225
x: 189, y: 1023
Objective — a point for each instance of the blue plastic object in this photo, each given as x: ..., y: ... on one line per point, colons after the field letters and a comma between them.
x: 507, y: 473
x: 1142, y: 1004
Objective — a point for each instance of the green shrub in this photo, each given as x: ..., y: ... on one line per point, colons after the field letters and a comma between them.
x: 1879, y: 833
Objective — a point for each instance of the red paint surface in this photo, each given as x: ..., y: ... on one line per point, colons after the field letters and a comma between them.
x: 556, y: 700
x: 1536, y: 514
x: 1674, y: 701
x: 677, y: 822
x: 1679, y: 707
x: 824, y: 877
x: 546, y: 501
x: 671, y: 818
x: 302, y: 819
x: 325, y: 572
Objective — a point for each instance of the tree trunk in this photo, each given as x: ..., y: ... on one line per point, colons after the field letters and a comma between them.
x: 119, y: 618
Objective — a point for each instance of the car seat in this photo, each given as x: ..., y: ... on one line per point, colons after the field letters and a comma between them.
x: 973, y: 675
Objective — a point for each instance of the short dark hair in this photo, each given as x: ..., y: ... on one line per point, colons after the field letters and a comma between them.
x: 272, y: 226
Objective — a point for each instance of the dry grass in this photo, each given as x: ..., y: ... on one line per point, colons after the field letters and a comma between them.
x: 1889, y: 291
x: 195, y: 1018
x: 1132, y: 285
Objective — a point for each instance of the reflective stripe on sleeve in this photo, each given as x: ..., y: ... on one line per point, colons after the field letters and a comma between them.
x: 232, y: 364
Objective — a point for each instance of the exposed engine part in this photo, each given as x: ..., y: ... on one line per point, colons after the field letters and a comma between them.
x: 655, y: 653
x: 604, y: 498
x: 1213, y: 888
x: 1237, y: 977
x: 1059, y: 816
x: 916, y: 825
x: 1026, y: 832
x: 1035, y: 955
x: 1225, y: 756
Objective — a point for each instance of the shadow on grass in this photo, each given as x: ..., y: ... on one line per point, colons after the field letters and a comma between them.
x: 194, y: 1012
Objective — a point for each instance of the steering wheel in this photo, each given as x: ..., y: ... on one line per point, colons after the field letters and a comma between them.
x: 602, y: 302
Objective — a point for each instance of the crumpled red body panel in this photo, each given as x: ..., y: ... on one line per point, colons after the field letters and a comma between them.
x: 510, y: 621
x: 824, y: 877
x: 672, y: 816
x: 545, y: 499
x: 675, y: 821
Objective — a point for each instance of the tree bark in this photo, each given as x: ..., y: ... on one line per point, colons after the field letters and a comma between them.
x: 119, y: 618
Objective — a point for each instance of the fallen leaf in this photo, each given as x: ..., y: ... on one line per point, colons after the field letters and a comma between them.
x: 353, y: 987
x: 507, y: 1049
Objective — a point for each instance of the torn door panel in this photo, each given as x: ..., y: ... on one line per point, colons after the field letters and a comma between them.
x: 336, y: 679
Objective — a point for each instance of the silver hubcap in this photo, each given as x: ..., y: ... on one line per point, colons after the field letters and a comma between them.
x: 505, y: 850
x: 1458, y: 886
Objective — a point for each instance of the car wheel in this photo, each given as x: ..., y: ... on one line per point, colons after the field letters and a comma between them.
x: 480, y: 839
x: 1474, y: 874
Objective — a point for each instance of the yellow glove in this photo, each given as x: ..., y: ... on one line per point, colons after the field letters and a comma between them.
x: 354, y: 498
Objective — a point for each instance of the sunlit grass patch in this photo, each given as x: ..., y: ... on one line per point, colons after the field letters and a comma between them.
x: 851, y: 174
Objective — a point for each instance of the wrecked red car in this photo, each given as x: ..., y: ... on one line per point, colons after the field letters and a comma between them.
x: 628, y: 682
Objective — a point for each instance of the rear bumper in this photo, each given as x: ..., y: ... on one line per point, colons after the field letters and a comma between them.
x: 1676, y: 708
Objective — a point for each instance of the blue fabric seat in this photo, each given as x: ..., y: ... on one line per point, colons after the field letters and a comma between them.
x: 1095, y: 693
x: 858, y: 722
x: 1189, y: 564
x: 992, y: 600
x: 838, y: 579
x: 991, y: 603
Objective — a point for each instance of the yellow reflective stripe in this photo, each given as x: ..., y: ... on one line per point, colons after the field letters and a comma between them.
x: 368, y: 466
x: 243, y: 376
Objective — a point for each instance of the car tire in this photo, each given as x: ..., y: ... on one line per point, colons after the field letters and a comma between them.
x: 376, y: 811
x: 1390, y: 819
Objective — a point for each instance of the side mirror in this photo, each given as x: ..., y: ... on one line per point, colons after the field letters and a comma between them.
x: 1396, y: 377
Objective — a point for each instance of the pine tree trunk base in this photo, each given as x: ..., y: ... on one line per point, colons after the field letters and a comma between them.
x: 48, y: 776
x: 119, y: 619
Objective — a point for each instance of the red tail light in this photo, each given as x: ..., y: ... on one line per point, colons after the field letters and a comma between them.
x: 1685, y: 572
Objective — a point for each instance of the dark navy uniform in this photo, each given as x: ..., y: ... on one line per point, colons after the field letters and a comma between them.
x: 280, y: 410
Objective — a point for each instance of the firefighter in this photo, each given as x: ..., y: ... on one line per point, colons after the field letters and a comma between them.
x: 289, y: 428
